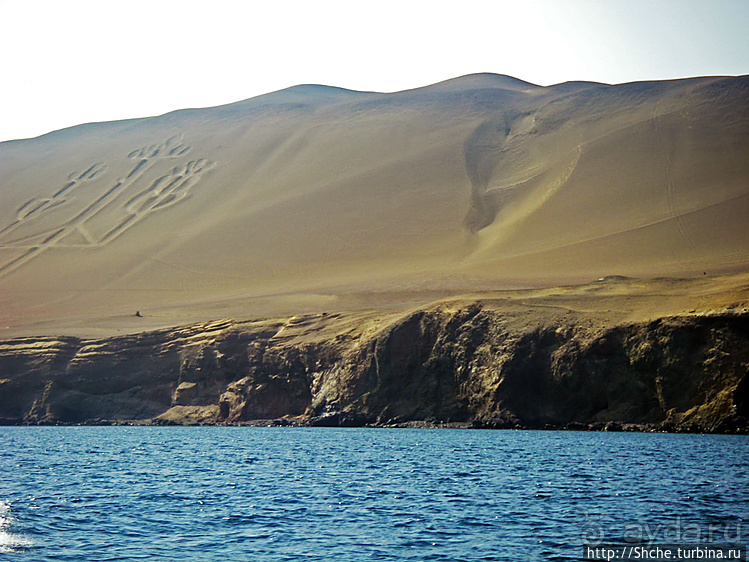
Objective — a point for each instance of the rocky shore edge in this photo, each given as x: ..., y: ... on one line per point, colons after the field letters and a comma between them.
x: 737, y: 425
x: 466, y: 365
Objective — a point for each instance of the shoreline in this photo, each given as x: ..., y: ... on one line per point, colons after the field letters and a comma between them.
x: 731, y: 426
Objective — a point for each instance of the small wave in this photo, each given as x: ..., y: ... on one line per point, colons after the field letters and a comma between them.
x: 10, y: 542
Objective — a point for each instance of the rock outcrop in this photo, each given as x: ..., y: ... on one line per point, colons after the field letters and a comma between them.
x: 464, y: 363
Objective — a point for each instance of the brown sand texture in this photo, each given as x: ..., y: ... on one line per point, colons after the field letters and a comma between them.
x: 315, y: 198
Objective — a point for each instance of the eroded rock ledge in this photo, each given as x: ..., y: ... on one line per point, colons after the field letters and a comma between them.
x: 456, y: 365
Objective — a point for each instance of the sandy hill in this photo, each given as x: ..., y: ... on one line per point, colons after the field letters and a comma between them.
x: 313, y: 196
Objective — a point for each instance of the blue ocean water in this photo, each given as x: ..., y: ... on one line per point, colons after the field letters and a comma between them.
x: 319, y: 494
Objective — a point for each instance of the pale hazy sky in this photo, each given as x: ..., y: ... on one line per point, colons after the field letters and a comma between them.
x: 77, y: 61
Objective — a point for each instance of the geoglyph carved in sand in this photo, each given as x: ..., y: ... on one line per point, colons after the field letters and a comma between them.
x: 86, y: 211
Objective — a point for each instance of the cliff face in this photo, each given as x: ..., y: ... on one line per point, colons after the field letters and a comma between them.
x: 466, y: 363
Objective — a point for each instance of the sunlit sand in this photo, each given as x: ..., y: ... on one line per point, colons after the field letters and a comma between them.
x: 316, y: 198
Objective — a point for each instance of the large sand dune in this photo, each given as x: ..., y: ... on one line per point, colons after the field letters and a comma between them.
x: 310, y: 197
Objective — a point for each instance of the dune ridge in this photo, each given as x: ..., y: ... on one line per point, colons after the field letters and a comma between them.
x: 308, y: 196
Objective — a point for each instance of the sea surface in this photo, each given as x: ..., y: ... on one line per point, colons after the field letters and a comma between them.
x: 320, y: 494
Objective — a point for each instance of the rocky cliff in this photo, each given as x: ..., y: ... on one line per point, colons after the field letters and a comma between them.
x: 463, y: 362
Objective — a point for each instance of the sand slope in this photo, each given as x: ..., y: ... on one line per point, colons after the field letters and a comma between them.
x: 296, y: 199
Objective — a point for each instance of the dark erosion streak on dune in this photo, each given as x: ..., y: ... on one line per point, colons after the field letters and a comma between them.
x: 486, y: 143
